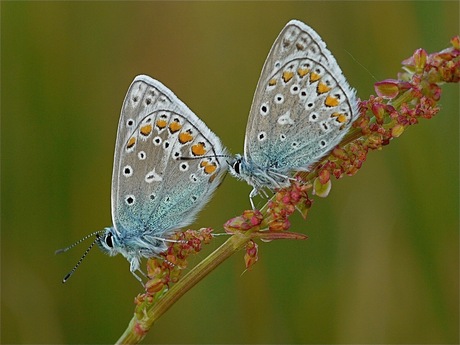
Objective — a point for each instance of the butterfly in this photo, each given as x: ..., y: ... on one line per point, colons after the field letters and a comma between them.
x: 302, y: 108
x: 154, y: 192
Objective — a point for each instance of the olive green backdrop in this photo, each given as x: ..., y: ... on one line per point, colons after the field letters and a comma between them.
x: 381, y: 262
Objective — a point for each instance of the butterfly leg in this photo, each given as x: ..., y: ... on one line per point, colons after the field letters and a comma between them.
x: 139, y: 278
x: 253, y: 193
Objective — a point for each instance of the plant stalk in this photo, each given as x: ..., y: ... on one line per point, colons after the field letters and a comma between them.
x: 138, y: 328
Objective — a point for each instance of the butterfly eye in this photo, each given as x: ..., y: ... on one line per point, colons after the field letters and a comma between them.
x: 108, y: 240
x: 236, y: 166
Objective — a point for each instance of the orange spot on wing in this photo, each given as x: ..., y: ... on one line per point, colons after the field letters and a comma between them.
x: 302, y: 72
x: 322, y: 88
x: 314, y: 76
x: 161, y: 124
x: 198, y: 149
x: 174, y: 126
x: 146, y: 130
x: 331, y: 101
x: 340, y: 118
x: 212, y: 178
x: 131, y: 142
x: 210, y: 168
x: 272, y: 82
x: 185, y: 137
x: 287, y: 75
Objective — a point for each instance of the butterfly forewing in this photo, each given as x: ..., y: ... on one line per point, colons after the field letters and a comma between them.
x: 153, y: 190
x: 302, y: 106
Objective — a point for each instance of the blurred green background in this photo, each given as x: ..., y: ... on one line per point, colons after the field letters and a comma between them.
x: 381, y: 264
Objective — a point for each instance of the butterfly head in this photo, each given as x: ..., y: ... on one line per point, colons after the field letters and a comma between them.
x: 235, y: 165
x: 111, y: 244
x: 108, y: 242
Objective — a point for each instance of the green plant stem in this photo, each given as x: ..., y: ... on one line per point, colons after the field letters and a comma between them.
x: 138, y: 328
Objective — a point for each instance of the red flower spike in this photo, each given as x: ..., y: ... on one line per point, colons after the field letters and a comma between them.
x: 340, y: 153
x: 388, y: 89
x: 285, y: 203
x: 153, y: 286
x: 420, y: 57
x: 455, y: 41
x: 162, y: 272
x: 281, y: 224
x: 139, y: 330
x: 251, y: 257
x: 269, y: 236
x: 321, y: 189
x: 248, y: 220
x: 379, y: 111
x: 435, y: 92
x: 324, y: 176
x: 141, y: 301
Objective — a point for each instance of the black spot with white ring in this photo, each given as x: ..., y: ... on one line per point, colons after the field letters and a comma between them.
x: 295, y: 89
x: 262, y: 136
x: 279, y: 99
x: 157, y: 141
x: 264, y: 109
x: 130, y: 200
x: 141, y: 155
x: 183, y: 166
x: 303, y: 94
x: 127, y: 171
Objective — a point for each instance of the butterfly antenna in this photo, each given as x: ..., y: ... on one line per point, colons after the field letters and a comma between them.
x: 360, y: 64
x: 68, y: 275
x: 63, y: 250
x: 201, y: 157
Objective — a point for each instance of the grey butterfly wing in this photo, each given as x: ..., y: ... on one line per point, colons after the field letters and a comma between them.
x: 302, y: 106
x: 154, y: 193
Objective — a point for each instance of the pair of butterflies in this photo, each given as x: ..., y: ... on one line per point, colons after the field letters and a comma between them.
x: 168, y: 163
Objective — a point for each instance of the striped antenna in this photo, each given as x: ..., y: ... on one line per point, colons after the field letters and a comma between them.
x: 63, y: 250
x: 185, y: 158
